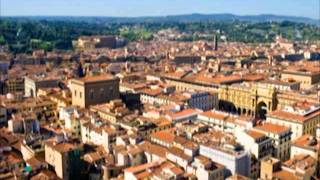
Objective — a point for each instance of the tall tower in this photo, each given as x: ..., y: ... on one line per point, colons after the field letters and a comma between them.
x: 215, y: 39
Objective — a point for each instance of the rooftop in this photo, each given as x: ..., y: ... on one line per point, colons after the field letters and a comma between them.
x: 215, y: 115
x: 165, y: 135
x: 298, y: 112
x: 96, y: 78
x: 308, y: 142
x: 272, y: 128
x: 61, y: 147
x: 255, y: 134
x: 303, y: 162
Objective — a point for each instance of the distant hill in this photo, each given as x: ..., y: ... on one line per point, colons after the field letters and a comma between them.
x: 251, y: 18
x: 180, y: 18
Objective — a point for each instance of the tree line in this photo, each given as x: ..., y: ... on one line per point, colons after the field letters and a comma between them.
x: 26, y: 35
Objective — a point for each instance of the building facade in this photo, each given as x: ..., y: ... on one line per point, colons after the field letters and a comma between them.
x: 301, y: 117
x: 307, y: 79
x: 237, y: 162
x: 94, y: 90
x: 14, y: 85
x: 64, y: 158
x: 281, y: 139
x: 31, y: 85
x: 249, y: 99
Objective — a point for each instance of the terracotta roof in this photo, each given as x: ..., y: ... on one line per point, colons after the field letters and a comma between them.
x: 255, y: 134
x: 93, y: 157
x: 140, y: 168
x: 62, y: 147
x: 178, y: 152
x: 152, y: 92
x: 204, y: 160
x: 215, y: 115
x: 307, y: 141
x: 285, y: 175
x: 96, y: 78
x: 293, y: 116
x: 302, y: 161
x: 176, y: 75
x: 153, y: 149
x: 34, y: 162
x: 273, y: 128
x: 143, y: 175
x: 165, y: 135
x: 184, y: 112
x: 176, y: 170
x: 227, y: 79
x: 13, y: 158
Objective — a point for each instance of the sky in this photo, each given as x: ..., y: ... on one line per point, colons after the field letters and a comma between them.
x: 135, y: 8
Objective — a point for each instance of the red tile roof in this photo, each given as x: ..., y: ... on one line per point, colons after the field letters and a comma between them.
x: 273, y: 128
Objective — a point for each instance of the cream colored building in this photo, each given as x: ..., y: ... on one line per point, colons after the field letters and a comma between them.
x: 32, y: 84
x: 113, y: 111
x: 188, y: 99
x: 225, y: 121
x: 206, y: 169
x: 258, y: 144
x: 248, y: 99
x: 64, y: 158
x: 301, y: 117
x: 300, y: 167
x: 258, y: 99
x: 99, y: 134
x: 71, y: 118
x: 307, y: 144
x: 281, y: 85
x: 61, y: 98
x: 178, y: 80
x: 287, y: 98
x: 281, y: 138
x: 268, y: 167
x: 307, y: 79
x: 94, y: 90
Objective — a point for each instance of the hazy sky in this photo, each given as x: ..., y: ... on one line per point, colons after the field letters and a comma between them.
x: 307, y: 8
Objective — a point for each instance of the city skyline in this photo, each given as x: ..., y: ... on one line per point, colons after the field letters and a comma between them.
x: 160, y: 89
x: 133, y: 8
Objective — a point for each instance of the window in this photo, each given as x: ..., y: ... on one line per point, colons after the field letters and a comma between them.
x: 75, y: 93
x: 101, y: 92
x: 91, y: 94
x: 111, y: 91
x: 80, y: 94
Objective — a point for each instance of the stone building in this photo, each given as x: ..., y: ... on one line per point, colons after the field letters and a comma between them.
x: 94, y: 90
